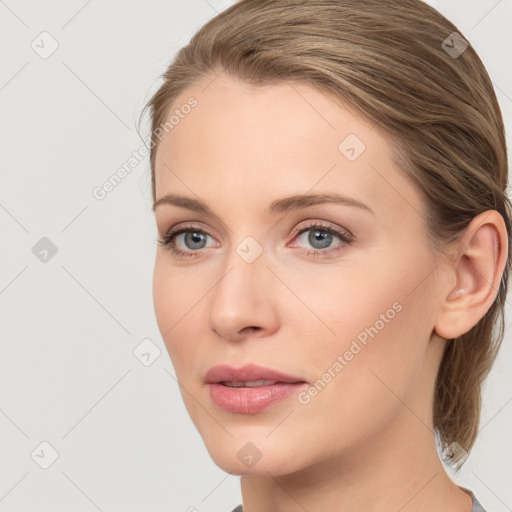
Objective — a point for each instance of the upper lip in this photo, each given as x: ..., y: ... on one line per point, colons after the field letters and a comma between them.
x: 249, y: 372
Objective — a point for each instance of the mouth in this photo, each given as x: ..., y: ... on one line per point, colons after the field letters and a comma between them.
x: 250, y: 389
x: 250, y: 375
x: 249, y: 383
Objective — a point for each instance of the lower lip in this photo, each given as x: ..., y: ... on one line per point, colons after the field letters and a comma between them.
x: 247, y: 400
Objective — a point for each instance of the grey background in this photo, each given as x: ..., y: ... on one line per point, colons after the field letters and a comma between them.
x: 70, y: 324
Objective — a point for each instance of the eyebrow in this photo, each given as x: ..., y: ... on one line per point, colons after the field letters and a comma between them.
x: 282, y: 205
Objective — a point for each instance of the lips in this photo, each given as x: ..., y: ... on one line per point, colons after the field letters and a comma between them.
x: 250, y: 389
x: 249, y: 374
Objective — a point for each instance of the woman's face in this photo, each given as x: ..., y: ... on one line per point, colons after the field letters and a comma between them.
x: 347, y: 307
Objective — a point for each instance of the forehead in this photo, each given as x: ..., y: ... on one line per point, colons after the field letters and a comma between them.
x: 245, y: 145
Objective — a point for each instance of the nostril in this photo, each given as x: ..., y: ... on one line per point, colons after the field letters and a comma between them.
x: 252, y: 328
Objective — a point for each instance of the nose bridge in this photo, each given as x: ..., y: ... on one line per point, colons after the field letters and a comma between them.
x: 242, y: 297
x: 244, y: 273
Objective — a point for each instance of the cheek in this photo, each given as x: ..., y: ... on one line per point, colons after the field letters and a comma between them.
x: 354, y: 396
x: 164, y: 300
x: 173, y: 301
x: 375, y: 314
x: 178, y: 316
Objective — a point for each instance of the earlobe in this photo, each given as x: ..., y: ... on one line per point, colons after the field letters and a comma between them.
x: 478, y: 271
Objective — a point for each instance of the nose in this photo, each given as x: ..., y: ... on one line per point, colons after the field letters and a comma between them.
x: 244, y: 302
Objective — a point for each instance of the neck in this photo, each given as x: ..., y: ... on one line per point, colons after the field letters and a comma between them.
x: 399, y: 470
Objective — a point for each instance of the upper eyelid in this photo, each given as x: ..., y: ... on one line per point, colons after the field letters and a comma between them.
x: 325, y: 225
x: 311, y: 223
x: 187, y: 226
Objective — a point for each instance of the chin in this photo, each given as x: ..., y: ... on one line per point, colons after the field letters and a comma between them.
x: 247, y: 458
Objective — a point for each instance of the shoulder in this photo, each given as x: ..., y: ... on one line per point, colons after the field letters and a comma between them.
x: 477, y: 506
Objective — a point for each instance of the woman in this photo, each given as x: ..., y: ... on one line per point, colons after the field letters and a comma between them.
x: 334, y: 235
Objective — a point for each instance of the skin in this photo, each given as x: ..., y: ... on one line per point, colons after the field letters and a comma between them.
x: 366, y: 440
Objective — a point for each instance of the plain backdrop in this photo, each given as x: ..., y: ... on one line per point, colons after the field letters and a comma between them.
x: 86, y: 425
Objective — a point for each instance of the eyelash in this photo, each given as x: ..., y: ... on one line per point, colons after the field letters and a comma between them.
x: 167, y: 241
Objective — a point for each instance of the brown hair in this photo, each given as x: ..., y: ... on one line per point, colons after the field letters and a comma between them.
x: 395, y: 61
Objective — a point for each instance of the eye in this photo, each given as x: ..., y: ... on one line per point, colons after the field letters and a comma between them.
x: 191, y: 237
x: 320, y: 237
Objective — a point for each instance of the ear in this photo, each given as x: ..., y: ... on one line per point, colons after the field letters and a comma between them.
x: 477, y: 269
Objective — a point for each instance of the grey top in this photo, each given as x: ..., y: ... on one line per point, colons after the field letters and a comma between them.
x: 477, y: 507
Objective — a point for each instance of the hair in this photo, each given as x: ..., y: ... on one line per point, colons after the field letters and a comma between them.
x: 386, y: 58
